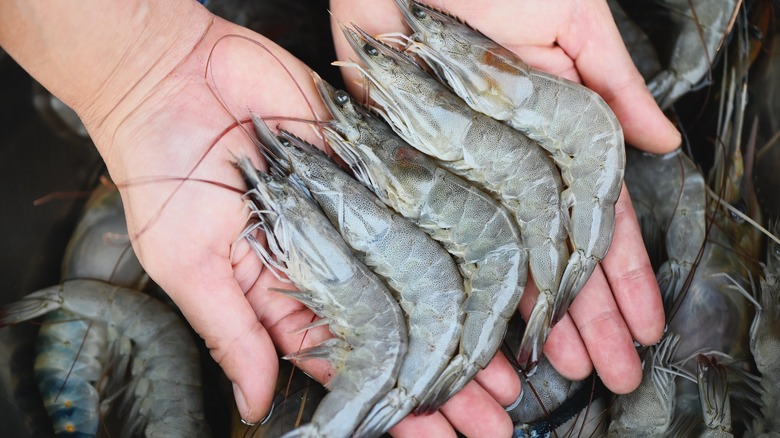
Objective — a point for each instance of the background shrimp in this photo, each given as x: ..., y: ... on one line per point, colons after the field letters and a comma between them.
x: 371, y: 337
x: 472, y: 226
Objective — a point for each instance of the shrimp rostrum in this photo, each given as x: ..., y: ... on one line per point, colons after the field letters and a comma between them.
x: 370, y: 330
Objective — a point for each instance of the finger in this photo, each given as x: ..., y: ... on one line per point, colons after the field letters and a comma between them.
x: 235, y: 338
x: 474, y: 413
x: 500, y: 380
x: 631, y: 276
x: 423, y: 426
x: 606, y: 335
x: 605, y: 66
x: 564, y: 348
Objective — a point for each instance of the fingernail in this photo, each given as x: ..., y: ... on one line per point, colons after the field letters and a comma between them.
x: 241, y: 404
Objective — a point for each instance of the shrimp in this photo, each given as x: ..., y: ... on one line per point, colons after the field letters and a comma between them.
x: 700, y: 26
x: 570, y: 121
x: 669, y: 193
x: 371, y: 337
x: 648, y: 411
x: 419, y: 271
x: 92, y: 254
x: 158, y: 401
x: 73, y: 364
x: 552, y: 405
x: 485, y: 151
x: 765, y: 340
x: 472, y: 226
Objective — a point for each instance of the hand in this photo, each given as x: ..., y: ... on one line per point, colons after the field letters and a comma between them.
x: 577, y: 40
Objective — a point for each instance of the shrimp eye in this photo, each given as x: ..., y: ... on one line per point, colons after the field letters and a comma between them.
x: 370, y: 50
x: 742, y: 209
x: 418, y: 12
x: 341, y: 98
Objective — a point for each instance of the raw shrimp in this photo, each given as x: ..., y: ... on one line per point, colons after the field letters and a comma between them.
x: 485, y: 151
x: 552, y: 405
x: 669, y: 195
x: 570, y: 121
x: 73, y: 366
x: 765, y: 340
x: 700, y: 27
x: 164, y: 397
x: 419, y: 271
x: 649, y: 409
x: 477, y: 230
x: 370, y: 330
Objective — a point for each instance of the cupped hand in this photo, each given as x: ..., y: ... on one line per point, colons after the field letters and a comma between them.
x: 576, y: 39
x: 184, y: 220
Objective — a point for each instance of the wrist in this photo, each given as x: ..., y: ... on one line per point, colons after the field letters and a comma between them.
x: 101, y: 58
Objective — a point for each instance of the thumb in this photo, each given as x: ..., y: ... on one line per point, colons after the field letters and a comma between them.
x: 215, y: 306
x: 606, y: 67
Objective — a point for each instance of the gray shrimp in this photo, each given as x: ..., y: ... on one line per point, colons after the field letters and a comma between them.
x: 765, y: 341
x: 370, y: 330
x: 573, y: 123
x: 164, y: 396
x: 487, y: 152
x: 419, y: 271
x: 648, y: 410
x: 473, y: 227
x: 669, y: 195
x: 552, y: 405
x: 700, y: 28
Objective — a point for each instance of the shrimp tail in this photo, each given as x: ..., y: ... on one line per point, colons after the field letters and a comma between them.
x: 31, y: 306
x: 386, y: 413
x: 577, y: 273
x: 457, y: 374
x: 536, y: 332
x: 329, y: 350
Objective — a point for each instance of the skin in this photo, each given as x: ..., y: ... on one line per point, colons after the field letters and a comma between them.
x: 134, y: 72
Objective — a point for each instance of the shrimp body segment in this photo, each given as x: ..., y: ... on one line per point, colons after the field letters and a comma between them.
x: 421, y: 273
x: 573, y: 123
x: 370, y: 330
x: 484, y: 151
x: 472, y: 226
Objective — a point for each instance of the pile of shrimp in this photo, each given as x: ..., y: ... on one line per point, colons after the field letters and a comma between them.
x: 473, y: 157
x: 111, y: 359
x: 464, y: 178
